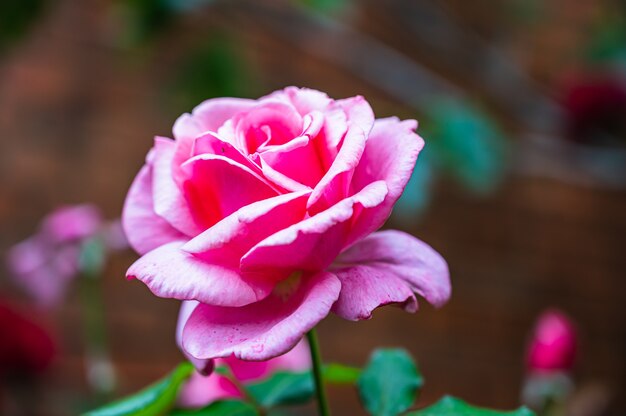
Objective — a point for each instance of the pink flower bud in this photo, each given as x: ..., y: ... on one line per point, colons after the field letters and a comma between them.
x: 553, y: 343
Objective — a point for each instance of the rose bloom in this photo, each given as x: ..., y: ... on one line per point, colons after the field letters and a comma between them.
x: 202, y: 390
x: 264, y: 211
x: 44, y: 264
x: 553, y: 344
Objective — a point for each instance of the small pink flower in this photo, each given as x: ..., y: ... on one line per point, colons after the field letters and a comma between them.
x: 44, y: 264
x: 264, y: 212
x: 553, y: 344
x: 202, y: 390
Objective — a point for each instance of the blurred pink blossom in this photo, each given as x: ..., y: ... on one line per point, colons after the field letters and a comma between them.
x: 45, y: 263
x: 553, y: 344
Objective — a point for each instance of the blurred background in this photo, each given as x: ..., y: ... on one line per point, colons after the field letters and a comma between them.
x: 521, y: 187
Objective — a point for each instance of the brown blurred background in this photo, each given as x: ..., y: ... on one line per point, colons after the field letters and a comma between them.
x: 81, y: 97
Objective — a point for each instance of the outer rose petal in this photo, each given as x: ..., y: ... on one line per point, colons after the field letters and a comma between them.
x: 169, y: 202
x: 390, y: 155
x: 209, y: 116
x: 144, y: 229
x: 312, y: 244
x: 200, y: 391
x: 298, y: 359
x: 264, y: 329
x: 387, y: 267
x: 186, y: 308
x: 170, y: 272
x: 305, y: 100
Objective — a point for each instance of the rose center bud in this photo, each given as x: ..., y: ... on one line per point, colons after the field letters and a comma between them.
x: 285, y: 288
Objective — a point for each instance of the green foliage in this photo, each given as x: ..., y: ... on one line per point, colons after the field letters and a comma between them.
x: 16, y: 16
x: 340, y: 374
x: 92, y: 257
x: 155, y: 400
x: 283, y: 388
x: 214, y: 69
x: 389, y: 383
x: 219, y: 408
x: 450, y: 406
x: 326, y: 6
x: 466, y: 144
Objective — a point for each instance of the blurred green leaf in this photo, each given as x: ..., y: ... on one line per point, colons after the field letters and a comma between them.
x: 467, y: 144
x: 92, y: 257
x: 340, y: 374
x: 283, y: 388
x: 417, y: 193
x: 390, y: 383
x: 16, y: 16
x: 155, y: 400
x: 450, y: 406
x: 326, y: 6
x: 214, y: 69
x: 220, y: 408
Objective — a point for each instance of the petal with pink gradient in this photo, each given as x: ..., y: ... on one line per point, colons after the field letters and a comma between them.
x: 305, y: 100
x: 335, y: 184
x: 209, y: 116
x: 233, y: 236
x: 297, y: 359
x: 264, y: 329
x: 216, y: 187
x: 169, y: 202
x: 186, y: 308
x: 313, y: 243
x: 170, y: 272
x: 144, y: 229
x: 200, y: 391
x: 388, y: 267
x: 390, y: 155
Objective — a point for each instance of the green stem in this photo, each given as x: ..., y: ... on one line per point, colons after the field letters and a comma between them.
x: 100, y: 372
x: 316, y: 359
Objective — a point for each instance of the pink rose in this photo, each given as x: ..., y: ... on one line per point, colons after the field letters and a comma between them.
x: 553, y: 343
x: 45, y: 263
x: 264, y: 212
x: 202, y: 390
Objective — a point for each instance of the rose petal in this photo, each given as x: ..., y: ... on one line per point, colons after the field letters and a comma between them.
x: 186, y: 308
x: 144, y: 229
x: 390, y: 155
x: 314, y: 243
x: 200, y: 391
x: 264, y: 329
x: 170, y: 272
x: 169, y: 202
x: 209, y: 116
x: 233, y: 236
x: 335, y: 184
x: 387, y: 267
x: 216, y: 187
x: 305, y: 100
x: 298, y: 359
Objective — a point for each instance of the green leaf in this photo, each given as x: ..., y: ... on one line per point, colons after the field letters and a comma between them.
x: 340, y: 374
x: 283, y: 388
x: 390, y: 382
x: 451, y: 406
x: 220, y: 408
x: 155, y: 400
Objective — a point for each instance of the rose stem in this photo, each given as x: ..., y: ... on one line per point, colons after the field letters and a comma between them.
x: 316, y: 358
